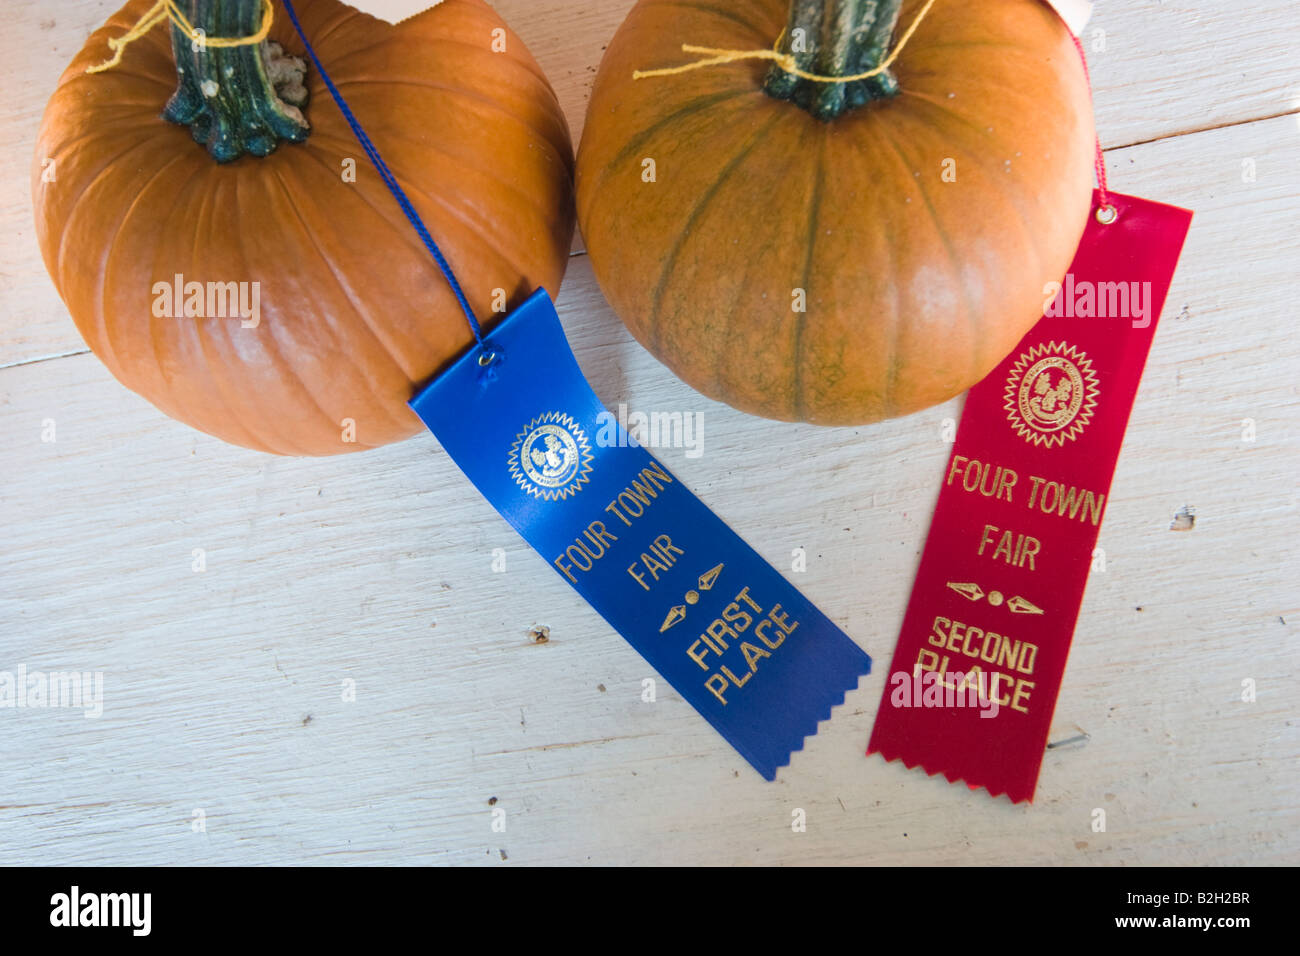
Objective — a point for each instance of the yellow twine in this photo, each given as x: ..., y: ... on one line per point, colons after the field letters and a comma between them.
x: 786, y: 61
x: 168, y: 10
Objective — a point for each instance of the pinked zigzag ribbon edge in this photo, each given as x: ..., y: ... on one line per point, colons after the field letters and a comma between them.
x: 821, y: 716
x: 951, y: 777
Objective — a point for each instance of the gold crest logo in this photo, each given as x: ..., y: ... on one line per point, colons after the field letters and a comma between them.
x: 550, y: 457
x: 1051, y: 393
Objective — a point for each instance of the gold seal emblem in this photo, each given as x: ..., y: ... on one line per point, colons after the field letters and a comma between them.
x: 550, y: 457
x: 1051, y: 393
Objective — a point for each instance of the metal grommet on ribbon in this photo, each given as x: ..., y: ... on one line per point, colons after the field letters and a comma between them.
x: 1106, y: 214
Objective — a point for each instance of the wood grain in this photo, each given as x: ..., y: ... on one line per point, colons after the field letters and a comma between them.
x: 224, y: 688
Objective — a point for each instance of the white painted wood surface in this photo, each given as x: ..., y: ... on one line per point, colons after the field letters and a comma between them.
x: 222, y: 688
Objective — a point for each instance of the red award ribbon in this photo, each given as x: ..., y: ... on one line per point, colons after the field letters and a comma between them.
x: 979, y: 661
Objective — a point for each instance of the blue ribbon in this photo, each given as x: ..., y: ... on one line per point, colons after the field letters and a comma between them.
x: 732, y: 636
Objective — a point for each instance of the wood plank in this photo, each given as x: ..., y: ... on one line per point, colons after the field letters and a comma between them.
x: 377, y: 569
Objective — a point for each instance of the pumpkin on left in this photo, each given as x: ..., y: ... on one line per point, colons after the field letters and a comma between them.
x: 253, y: 197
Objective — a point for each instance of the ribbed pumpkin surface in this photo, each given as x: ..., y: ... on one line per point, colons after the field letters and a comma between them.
x: 353, y: 312
x: 914, y: 287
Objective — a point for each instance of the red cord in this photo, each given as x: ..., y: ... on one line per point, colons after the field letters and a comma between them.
x: 1099, y: 163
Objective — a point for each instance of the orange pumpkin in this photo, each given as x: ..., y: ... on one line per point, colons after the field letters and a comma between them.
x: 836, y: 253
x: 150, y: 237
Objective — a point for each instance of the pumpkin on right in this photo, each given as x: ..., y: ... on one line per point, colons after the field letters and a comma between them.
x: 835, y: 253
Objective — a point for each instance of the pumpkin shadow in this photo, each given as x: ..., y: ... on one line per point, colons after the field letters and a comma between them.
x: 600, y: 341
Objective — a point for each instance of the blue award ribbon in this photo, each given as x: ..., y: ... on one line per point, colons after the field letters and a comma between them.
x: 738, y: 641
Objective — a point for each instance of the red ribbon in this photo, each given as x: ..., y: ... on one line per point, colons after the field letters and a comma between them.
x: 982, y: 651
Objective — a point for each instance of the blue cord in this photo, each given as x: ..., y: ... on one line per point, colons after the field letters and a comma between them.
x: 389, y: 179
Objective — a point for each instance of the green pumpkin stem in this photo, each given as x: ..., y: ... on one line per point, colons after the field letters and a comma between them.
x: 836, y: 38
x: 235, y: 100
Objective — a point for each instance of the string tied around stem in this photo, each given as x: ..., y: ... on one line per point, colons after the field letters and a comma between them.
x: 786, y: 61
x: 169, y: 10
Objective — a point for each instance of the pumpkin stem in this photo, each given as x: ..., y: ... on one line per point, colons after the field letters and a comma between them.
x: 836, y: 38
x: 235, y: 100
